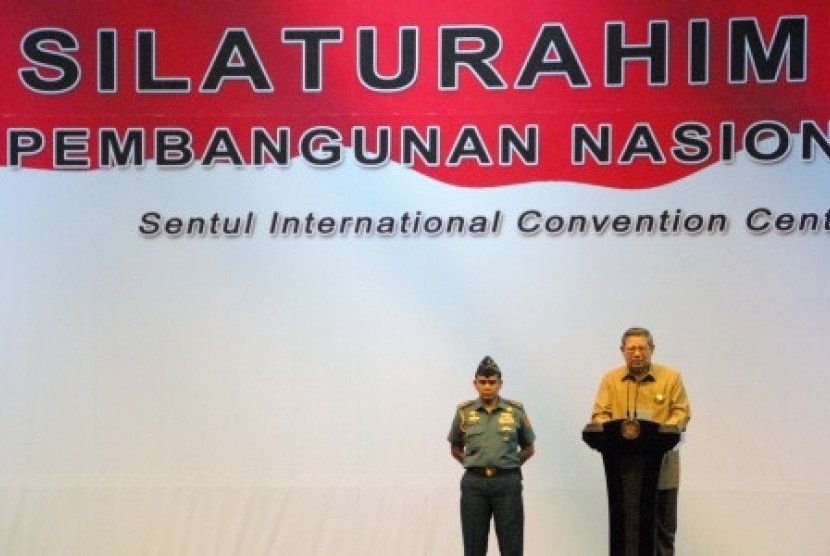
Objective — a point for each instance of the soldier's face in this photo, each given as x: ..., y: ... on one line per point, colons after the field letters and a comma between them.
x: 487, y: 387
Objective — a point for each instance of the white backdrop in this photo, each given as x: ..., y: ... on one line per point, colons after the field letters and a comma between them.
x: 261, y: 395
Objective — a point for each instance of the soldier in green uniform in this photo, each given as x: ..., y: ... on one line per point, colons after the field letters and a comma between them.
x: 491, y: 437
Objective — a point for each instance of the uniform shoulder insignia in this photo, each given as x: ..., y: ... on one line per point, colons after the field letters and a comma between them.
x: 468, y: 403
x: 514, y: 403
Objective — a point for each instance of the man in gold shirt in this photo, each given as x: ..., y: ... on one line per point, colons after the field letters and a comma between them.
x: 647, y: 391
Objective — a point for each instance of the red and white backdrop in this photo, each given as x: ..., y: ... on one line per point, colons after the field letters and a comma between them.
x: 252, y: 254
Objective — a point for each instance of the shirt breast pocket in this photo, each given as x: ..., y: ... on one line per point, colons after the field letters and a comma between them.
x: 473, y: 430
x: 508, y: 431
x: 473, y: 438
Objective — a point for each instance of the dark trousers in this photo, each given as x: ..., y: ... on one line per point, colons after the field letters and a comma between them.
x: 665, y: 522
x: 499, y: 498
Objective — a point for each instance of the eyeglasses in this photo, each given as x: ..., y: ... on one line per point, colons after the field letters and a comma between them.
x: 486, y: 381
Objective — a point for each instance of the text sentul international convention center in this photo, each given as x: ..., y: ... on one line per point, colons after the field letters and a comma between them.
x: 532, y: 222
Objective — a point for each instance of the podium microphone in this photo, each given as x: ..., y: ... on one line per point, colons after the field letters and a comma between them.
x: 631, y: 427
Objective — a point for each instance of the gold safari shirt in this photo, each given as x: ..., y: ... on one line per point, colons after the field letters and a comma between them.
x: 659, y: 396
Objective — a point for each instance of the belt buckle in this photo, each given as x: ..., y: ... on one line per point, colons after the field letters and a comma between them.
x: 489, y: 471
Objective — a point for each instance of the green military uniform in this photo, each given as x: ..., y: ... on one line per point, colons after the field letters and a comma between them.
x: 492, y: 483
x: 491, y: 439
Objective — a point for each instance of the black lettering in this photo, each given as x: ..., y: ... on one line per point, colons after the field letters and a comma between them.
x: 526, y: 147
x: 173, y: 147
x: 552, y: 38
x: 236, y: 58
x: 407, y: 61
x: 361, y: 147
x: 757, y: 220
x: 528, y: 222
x: 278, y: 149
x: 312, y: 41
x: 469, y: 145
x: 427, y: 149
x: 321, y: 146
x: 748, y: 49
x: 114, y: 151
x: 150, y: 225
x: 47, y: 49
x: 107, y: 61
x: 222, y: 147
x: 770, y: 132
x: 22, y: 143
x: 68, y: 141
x: 148, y: 81
x: 642, y: 142
x: 698, y: 52
x: 584, y: 142
x: 453, y: 56
x: 655, y: 53
x: 692, y: 144
x: 810, y: 135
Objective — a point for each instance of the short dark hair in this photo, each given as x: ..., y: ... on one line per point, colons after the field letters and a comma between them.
x: 637, y: 331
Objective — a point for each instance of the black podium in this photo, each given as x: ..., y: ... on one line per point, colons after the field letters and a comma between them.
x: 632, y: 452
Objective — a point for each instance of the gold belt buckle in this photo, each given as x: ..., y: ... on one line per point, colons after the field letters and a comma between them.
x: 489, y: 471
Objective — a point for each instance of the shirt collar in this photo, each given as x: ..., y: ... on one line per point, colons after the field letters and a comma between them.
x: 649, y: 376
x: 479, y: 405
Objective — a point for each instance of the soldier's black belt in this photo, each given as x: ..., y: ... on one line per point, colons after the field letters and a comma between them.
x: 492, y: 471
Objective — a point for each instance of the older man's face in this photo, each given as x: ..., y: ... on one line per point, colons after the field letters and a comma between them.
x: 637, y: 353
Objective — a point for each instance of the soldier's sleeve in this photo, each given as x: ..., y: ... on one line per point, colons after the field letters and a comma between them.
x: 526, y: 434
x: 455, y: 435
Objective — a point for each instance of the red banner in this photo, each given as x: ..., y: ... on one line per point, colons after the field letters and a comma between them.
x: 627, y: 95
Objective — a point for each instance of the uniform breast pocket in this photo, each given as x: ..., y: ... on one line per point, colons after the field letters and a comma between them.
x: 507, y: 425
x: 507, y: 431
x: 473, y: 435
